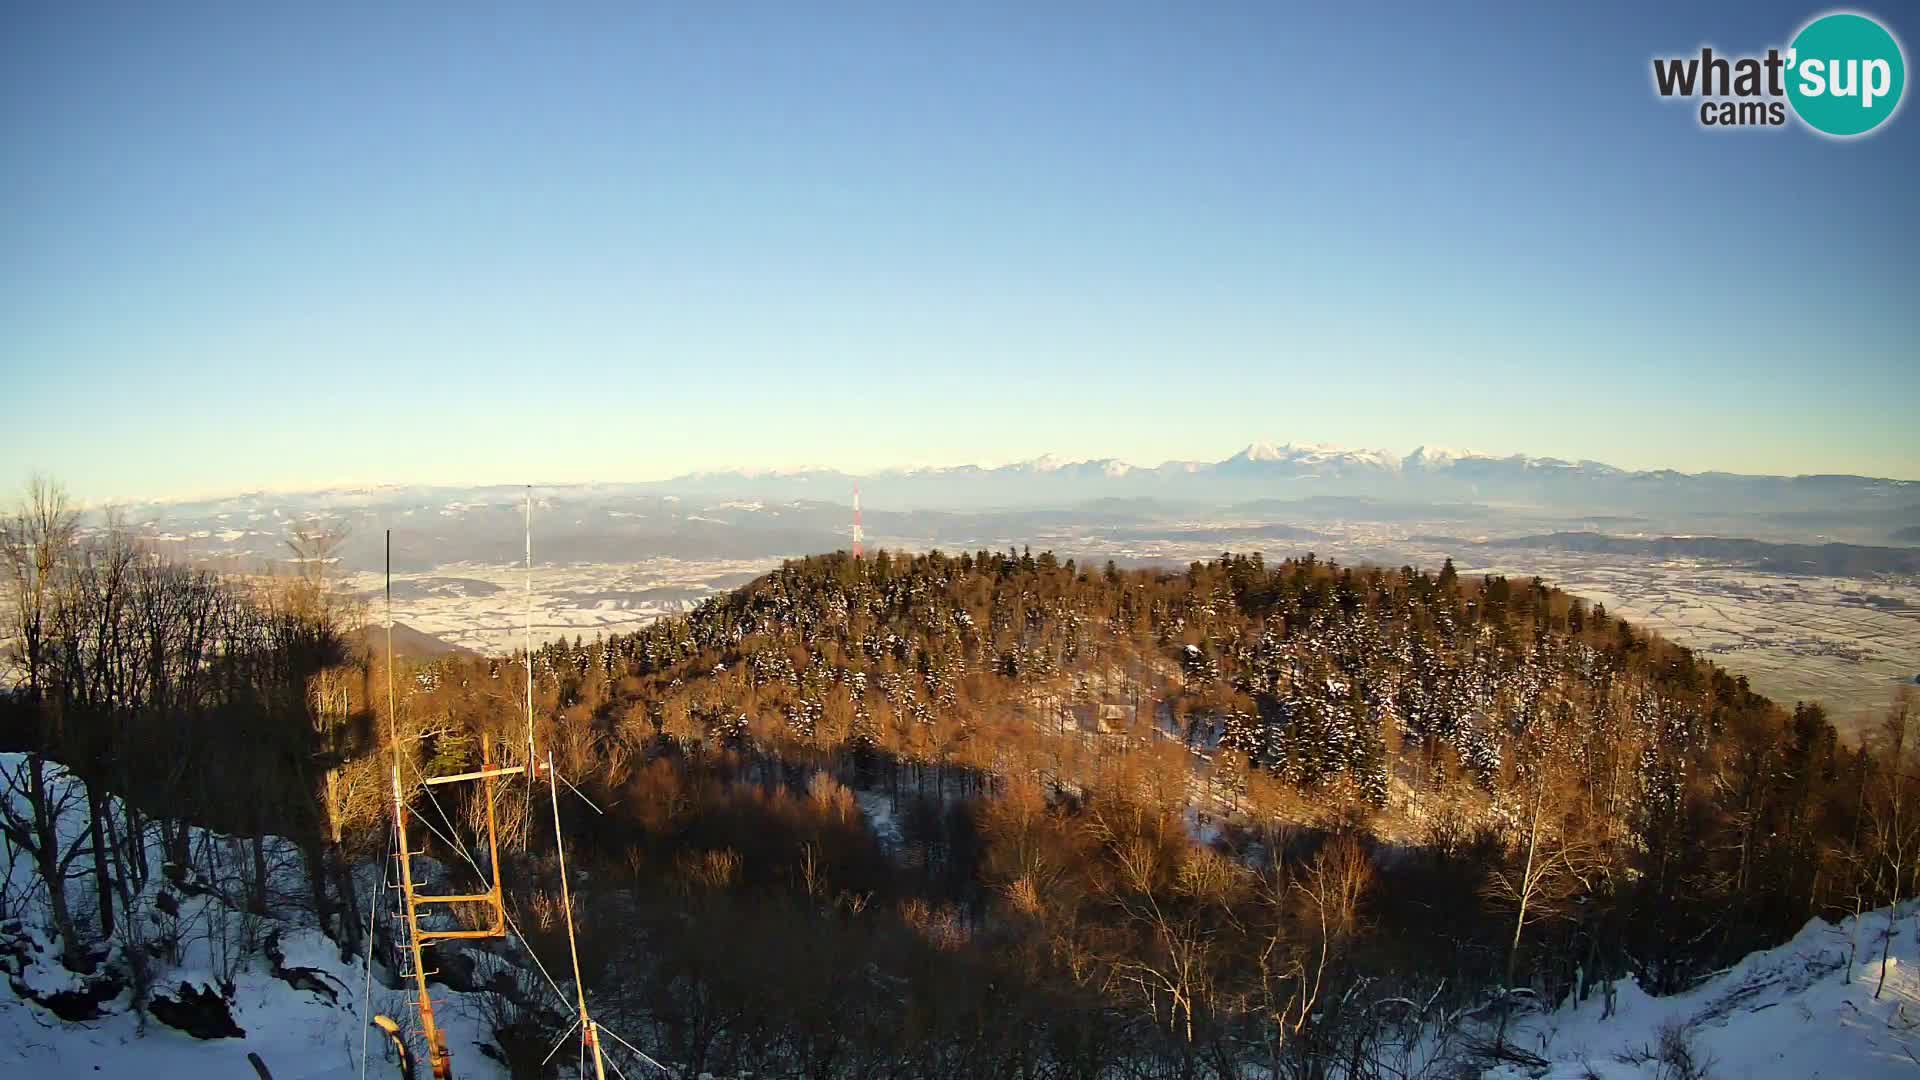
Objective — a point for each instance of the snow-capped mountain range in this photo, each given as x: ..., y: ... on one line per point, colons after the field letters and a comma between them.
x: 1264, y: 480
x: 1294, y: 470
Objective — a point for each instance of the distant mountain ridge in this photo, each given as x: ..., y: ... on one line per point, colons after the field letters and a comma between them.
x: 1837, y: 560
x: 409, y: 642
x: 753, y: 513
x: 1300, y: 470
x: 1262, y: 470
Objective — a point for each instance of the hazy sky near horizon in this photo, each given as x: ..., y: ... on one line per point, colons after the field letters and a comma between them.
x: 291, y: 245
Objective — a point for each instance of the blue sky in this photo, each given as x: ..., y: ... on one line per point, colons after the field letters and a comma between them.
x: 287, y: 245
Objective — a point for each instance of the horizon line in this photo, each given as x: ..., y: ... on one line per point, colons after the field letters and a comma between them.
x: 1043, y: 463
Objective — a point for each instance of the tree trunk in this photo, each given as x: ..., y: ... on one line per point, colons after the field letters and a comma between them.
x: 133, y: 844
x: 313, y: 853
x: 102, y: 880
x: 1886, y: 943
x: 1526, y: 888
x: 257, y: 903
x: 176, y: 840
x: 47, y: 855
x: 349, y: 903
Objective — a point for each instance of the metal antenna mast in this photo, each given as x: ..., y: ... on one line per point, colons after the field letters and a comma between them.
x: 436, y: 1044
x: 589, y: 1031
x: 858, y: 535
x: 417, y: 937
x: 530, y: 759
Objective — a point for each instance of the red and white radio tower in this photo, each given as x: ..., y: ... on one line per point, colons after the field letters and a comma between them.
x: 858, y: 551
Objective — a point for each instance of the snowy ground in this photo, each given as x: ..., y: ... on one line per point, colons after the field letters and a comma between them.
x: 299, y: 1034
x: 484, y: 606
x: 314, y: 1032
x: 1843, y: 642
x: 1779, y: 1014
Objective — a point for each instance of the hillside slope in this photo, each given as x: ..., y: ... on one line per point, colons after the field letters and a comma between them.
x: 1799, y: 1010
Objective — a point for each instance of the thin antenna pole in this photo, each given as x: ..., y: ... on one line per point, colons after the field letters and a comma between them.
x: 858, y: 534
x: 589, y: 1031
x: 530, y: 761
x: 366, y: 991
x: 436, y: 1046
x: 499, y: 925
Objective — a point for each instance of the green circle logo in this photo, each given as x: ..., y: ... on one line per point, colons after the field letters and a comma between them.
x: 1845, y: 73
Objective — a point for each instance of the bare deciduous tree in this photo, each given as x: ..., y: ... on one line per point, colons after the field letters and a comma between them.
x: 1893, y: 821
x: 1552, y: 864
x: 36, y: 540
x: 1310, y: 915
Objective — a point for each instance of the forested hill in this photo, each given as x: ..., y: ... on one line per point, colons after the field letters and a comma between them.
x: 1316, y: 672
x: 1692, y: 818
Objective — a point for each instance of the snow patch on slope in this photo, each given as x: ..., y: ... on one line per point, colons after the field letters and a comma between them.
x: 1799, y: 1010
x: 203, y: 942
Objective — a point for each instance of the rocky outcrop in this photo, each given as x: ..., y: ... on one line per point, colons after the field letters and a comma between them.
x: 200, y: 1011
